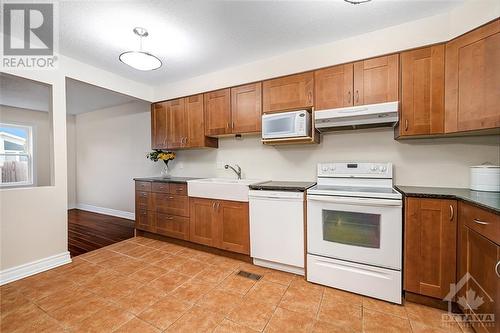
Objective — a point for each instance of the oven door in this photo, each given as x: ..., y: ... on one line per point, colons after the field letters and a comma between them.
x: 362, y: 230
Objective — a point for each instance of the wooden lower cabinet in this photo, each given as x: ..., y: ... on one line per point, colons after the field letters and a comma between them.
x: 145, y: 220
x: 479, y: 272
x: 172, y: 226
x: 233, y: 230
x: 220, y: 223
x: 430, y: 246
x: 201, y: 225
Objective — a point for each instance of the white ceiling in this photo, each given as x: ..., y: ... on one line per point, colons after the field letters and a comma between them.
x: 80, y: 97
x: 194, y: 37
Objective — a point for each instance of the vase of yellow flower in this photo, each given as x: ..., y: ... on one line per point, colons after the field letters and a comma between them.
x: 160, y: 155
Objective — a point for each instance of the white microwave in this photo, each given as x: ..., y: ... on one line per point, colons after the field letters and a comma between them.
x: 291, y: 124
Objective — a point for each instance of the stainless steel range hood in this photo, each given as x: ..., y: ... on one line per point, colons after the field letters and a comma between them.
x: 364, y: 116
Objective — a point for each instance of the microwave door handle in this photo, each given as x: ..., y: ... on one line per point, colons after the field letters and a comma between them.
x: 355, y: 201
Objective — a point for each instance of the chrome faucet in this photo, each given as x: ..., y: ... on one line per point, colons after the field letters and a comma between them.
x: 237, y: 171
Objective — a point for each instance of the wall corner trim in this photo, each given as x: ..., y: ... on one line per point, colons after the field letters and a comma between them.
x: 34, y: 267
x: 106, y: 211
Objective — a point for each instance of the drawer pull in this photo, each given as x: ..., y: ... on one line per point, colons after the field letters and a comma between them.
x: 144, y: 195
x: 480, y: 222
x: 452, y: 213
x: 169, y: 218
x: 497, y: 266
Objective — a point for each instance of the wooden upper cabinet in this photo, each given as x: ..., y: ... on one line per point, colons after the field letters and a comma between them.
x: 195, y: 121
x: 177, y: 125
x: 217, y: 112
x: 333, y: 87
x: 422, y: 91
x: 289, y: 92
x: 472, y: 94
x: 233, y: 231
x: 159, y: 125
x: 246, y: 108
x: 376, y: 80
x: 430, y: 246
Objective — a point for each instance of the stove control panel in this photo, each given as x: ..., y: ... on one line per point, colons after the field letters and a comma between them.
x: 355, y: 170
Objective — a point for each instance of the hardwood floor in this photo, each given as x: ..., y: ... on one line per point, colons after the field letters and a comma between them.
x: 89, y: 231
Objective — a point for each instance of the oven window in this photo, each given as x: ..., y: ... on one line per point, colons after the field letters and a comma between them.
x: 359, y: 229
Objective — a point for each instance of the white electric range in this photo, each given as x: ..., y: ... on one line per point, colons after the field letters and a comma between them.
x: 354, y: 230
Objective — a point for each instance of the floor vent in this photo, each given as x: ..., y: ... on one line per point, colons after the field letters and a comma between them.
x: 251, y: 276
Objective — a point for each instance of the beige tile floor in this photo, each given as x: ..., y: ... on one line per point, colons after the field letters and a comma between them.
x: 143, y: 285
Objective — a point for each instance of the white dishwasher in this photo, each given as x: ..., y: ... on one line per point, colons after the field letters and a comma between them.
x: 277, y: 229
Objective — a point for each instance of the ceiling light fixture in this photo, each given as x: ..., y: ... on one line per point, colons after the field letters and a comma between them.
x: 357, y: 2
x: 140, y: 60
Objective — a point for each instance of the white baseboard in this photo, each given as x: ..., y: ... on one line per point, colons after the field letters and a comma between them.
x: 106, y: 211
x: 34, y: 267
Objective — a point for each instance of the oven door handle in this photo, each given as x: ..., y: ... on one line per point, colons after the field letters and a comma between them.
x: 355, y: 201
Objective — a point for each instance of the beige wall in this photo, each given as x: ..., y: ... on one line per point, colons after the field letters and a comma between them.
x: 112, y: 144
x: 71, y: 152
x: 426, y: 162
x: 111, y: 150
x: 33, y: 221
x: 42, y: 133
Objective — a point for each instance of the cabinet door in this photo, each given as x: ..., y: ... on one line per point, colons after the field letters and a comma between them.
x: 201, y: 221
x: 217, y: 112
x: 195, y: 121
x: 159, y: 125
x: 333, y: 87
x: 376, y: 80
x: 472, y: 93
x: 233, y: 232
x: 172, y: 226
x: 246, y: 108
x: 171, y: 204
x: 289, y: 92
x: 430, y: 246
x: 145, y: 220
x: 422, y: 91
x: 479, y: 257
x: 177, y: 129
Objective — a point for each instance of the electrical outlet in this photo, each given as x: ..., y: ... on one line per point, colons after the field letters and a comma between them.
x: 220, y: 165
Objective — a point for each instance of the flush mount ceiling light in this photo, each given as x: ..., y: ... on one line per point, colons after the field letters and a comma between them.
x: 140, y: 60
x: 357, y: 2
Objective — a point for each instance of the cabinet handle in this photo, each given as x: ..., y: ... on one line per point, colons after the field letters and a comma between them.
x: 213, y: 205
x: 170, y: 197
x: 144, y: 195
x: 452, y: 213
x: 170, y: 218
x: 349, y: 97
x: 309, y: 96
x: 406, y: 124
x: 357, y: 96
x: 496, y: 269
x: 480, y: 222
x: 227, y: 124
x: 232, y: 125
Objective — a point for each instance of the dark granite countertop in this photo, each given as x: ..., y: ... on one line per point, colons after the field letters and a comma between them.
x: 283, y: 186
x: 487, y: 200
x: 165, y: 180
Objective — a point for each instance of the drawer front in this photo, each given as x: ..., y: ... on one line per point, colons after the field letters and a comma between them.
x: 172, y: 226
x: 172, y: 204
x: 145, y: 220
x: 143, y: 200
x: 481, y: 221
x: 161, y: 187
x: 178, y: 189
x: 143, y: 186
